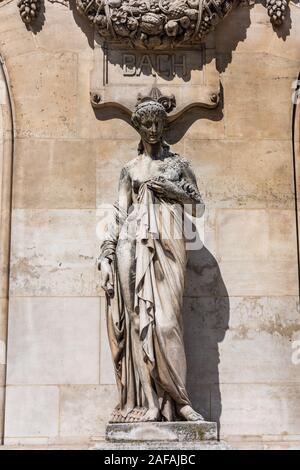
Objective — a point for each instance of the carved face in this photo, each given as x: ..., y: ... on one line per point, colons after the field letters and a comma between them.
x: 151, y: 128
x: 149, y: 120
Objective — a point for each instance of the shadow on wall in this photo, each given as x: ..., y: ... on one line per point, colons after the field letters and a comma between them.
x: 206, y: 318
x: 177, y: 129
x: 234, y: 29
x: 83, y: 23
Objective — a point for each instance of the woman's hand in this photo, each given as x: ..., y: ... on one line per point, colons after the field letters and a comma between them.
x: 107, y: 279
x: 184, y: 193
x: 165, y: 188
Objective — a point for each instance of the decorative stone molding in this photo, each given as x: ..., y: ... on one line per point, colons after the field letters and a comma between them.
x: 122, y: 76
x: 29, y: 10
x: 168, y: 102
x: 155, y: 23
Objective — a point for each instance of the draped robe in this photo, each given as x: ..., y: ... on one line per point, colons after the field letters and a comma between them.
x: 160, y: 261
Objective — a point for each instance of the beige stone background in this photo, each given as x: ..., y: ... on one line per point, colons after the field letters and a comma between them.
x: 241, y: 307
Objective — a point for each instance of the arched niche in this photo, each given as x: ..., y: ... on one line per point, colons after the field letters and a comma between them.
x: 296, y: 163
x: 6, y: 165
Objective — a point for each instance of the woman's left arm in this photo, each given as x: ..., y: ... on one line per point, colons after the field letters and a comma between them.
x: 185, y: 191
x: 192, y: 196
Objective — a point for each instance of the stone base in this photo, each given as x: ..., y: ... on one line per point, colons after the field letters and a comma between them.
x: 177, y: 435
x: 156, y: 445
x: 177, y: 431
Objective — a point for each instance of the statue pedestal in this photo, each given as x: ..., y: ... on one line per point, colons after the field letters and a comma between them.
x: 177, y: 435
x: 177, y: 431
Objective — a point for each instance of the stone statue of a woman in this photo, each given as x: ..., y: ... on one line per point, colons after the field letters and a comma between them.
x: 143, y: 262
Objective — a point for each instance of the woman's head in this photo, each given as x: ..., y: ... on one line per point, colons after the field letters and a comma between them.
x: 149, y: 120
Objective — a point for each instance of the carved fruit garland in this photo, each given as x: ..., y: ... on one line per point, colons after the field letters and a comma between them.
x: 155, y: 23
x: 150, y: 23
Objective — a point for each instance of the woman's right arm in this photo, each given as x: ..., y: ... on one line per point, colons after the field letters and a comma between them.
x: 111, y: 236
x: 124, y: 192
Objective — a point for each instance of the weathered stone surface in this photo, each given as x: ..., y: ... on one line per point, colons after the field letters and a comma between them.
x: 262, y: 119
x: 229, y: 263
x: 13, y: 40
x: 66, y: 348
x: 271, y: 409
x: 177, y: 446
x: 209, y: 126
x: 53, y: 253
x: 31, y: 411
x: 61, y: 174
x: 263, y: 235
x: 180, y: 431
x: 236, y: 174
x: 85, y: 410
x: 257, y: 241
x: 44, y: 99
x: 241, y: 282
x: 60, y: 18
x: 256, y: 333
x: 111, y: 156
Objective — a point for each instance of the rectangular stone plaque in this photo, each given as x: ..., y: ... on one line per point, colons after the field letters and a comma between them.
x: 120, y: 75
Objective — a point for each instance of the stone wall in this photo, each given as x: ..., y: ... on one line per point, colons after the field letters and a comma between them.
x: 6, y: 158
x: 241, y: 307
x: 3, y: 319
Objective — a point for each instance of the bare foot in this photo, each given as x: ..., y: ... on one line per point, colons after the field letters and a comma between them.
x: 189, y: 414
x: 153, y: 414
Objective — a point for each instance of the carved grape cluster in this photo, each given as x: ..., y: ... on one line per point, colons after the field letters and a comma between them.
x: 205, y: 26
x: 276, y: 11
x: 29, y: 10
